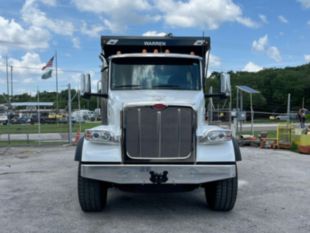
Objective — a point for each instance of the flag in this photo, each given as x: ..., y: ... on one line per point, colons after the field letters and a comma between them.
x: 47, y: 74
x: 49, y: 63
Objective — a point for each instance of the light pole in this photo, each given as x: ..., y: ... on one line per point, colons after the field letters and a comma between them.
x: 7, y: 79
x: 11, y: 81
x: 98, y: 87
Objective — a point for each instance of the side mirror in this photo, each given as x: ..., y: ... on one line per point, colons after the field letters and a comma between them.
x: 225, y: 84
x: 85, y: 85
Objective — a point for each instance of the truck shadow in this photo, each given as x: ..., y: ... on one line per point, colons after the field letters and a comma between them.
x: 156, y: 205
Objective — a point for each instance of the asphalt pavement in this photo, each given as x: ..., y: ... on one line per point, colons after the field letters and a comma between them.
x: 38, y: 194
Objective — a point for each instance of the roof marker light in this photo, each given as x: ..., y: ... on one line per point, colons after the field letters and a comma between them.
x: 159, y: 107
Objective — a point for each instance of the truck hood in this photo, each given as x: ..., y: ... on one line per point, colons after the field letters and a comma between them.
x: 120, y: 99
x: 184, y: 98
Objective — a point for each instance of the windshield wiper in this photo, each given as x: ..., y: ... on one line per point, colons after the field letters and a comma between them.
x: 168, y: 86
x: 128, y: 85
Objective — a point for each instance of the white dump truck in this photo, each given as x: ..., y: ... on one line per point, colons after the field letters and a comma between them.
x: 154, y: 136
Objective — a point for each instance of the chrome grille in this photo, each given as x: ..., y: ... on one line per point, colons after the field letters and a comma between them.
x: 159, y: 134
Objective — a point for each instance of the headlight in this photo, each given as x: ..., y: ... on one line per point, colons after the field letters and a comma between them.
x: 215, y: 136
x: 101, y: 136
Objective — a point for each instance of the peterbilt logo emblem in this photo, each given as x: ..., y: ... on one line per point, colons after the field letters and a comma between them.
x: 112, y: 41
x: 155, y: 43
x: 199, y: 42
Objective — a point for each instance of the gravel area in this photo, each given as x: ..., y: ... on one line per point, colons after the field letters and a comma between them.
x: 38, y: 194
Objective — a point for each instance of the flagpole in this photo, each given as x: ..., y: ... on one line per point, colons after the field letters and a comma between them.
x: 39, y: 115
x: 56, y: 74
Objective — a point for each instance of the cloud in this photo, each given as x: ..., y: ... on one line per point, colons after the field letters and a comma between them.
x: 76, y: 42
x: 274, y: 53
x: 108, y: 6
x: 307, y: 58
x: 118, y: 15
x: 154, y: 33
x: 13, y: 35
x: 282, y: 19
x: 308, y: 22
x: 304, y: 3
x: 49, y: 2
x: 91, y: 31
x: 29, y: 64
x: 28, y: 80
x: 200, y: 13
x: 263, y: 18
x: 252, y: 67
x: 26, y: 72
x: 32, y: 15
x: 262, y: 45
x: 215, y: 61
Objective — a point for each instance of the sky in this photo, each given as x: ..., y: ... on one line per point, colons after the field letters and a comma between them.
x: 245, y: 35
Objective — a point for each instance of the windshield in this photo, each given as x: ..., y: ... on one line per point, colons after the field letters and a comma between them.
x: 136, y: 73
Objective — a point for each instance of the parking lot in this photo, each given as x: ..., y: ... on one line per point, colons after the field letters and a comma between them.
x: 38, y: 194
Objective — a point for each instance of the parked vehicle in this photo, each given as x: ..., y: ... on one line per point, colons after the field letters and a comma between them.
x: 285, y: 117
x: 3, y: 118
x: 156, y: 137
x: 82, y: 115
x: 21, y: 120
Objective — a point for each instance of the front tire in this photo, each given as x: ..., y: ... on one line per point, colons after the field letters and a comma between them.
x: 221, y: 195
x: 92, y: 194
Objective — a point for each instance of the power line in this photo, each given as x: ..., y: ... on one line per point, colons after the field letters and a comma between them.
x: 63, y: 70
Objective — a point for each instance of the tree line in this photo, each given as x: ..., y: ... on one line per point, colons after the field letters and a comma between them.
x: 274, y: 85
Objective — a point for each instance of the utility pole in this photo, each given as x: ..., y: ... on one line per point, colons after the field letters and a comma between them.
x: 79, y: 107
x: 288, y: 107
x: 98, y: 92
x: 7, y: 79
x: 69, y: 114
x: 39, y: 115
x: 8, y: 95
x: 11, y: 81
x: 56, y: 76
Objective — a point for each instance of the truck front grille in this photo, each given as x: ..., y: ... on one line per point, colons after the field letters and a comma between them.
x: 159, y: 134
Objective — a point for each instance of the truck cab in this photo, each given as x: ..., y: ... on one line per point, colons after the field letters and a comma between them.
x: 153, y: 134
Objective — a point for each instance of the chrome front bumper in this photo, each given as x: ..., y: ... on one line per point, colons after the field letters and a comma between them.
x: 141, y: 174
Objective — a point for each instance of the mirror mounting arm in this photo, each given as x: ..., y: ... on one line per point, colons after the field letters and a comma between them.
x: 88, y: 95
x: 218, y: 95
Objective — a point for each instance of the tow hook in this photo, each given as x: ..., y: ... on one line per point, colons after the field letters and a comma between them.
x: 158, y: 178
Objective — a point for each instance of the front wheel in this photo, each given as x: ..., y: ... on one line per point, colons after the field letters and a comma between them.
x: 221, y: 195
x: 92, y: 194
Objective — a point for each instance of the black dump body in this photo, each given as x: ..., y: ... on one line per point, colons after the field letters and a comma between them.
x: 135, y: 44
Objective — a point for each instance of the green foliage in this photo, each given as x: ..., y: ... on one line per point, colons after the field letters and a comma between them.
x: 274, y: 86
